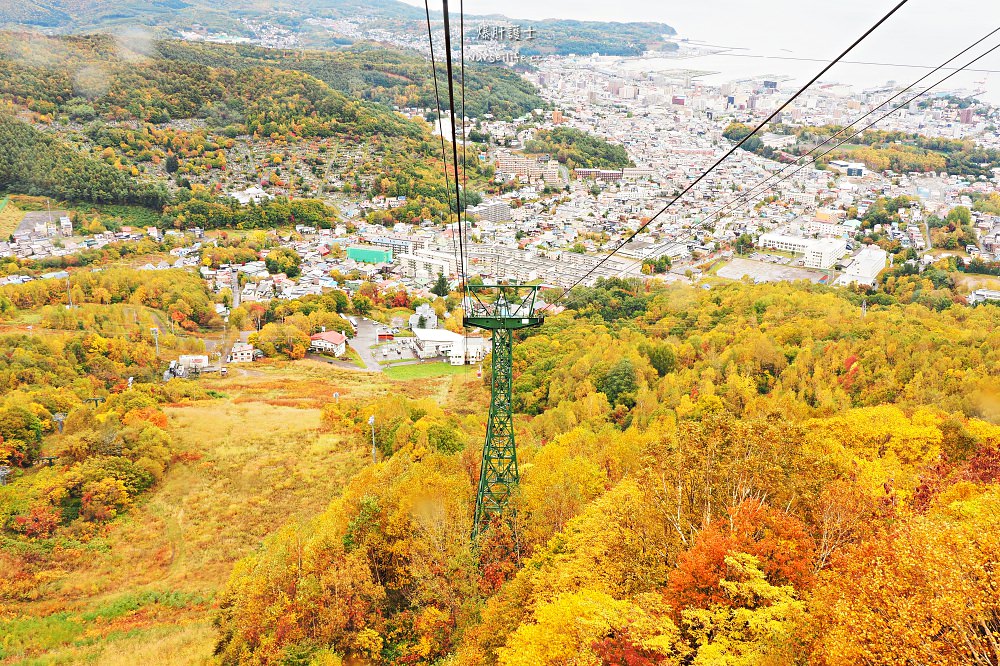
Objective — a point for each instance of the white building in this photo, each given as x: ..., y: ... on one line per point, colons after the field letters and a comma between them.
x: 459, y: 350
x: 983, y: 296
x: 552, y: 174
x: 825, y: 252
x: 425, y: 312
x: 637, y: 173
x: 192, y: 361
x: 427, y: 264
x: 254, y: 193
x: 819, y: 252
x: 517, y: 165
x: 242, y: 352
x: 777, y: 141
x: 865, y: 268
x: 854, y: 169
x: 332, y: 342
x: 491, y: 211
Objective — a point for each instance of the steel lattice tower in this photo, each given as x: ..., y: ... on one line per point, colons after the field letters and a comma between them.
x: 500, y: 309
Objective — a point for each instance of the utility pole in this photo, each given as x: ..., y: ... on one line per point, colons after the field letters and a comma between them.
x: 500, y: 309
x: 156, y: 336
x: 371, y: 422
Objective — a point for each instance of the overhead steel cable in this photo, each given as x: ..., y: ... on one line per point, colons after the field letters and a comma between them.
x: 736, y: 147
x: 444, y: 152
x: 926, y: 90
x: 454, y: 139
x: 465, y: 157
x: 900, y: 65
x: 903, y: 91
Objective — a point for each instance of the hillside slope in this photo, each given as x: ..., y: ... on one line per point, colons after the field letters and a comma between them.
x: 747, y: 474
x: 316, y: 24
x: 755, y: 474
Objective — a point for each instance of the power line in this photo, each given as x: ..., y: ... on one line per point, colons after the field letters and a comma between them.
x: 855, y: 134
x: 454, y: 138
x: 465, y: 157
x: 444, y: 154
x: 843, y: 62
x: 465, y: 169
x: 732, y: 150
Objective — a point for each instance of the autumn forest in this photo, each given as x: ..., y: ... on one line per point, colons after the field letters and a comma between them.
x: 754, y: 474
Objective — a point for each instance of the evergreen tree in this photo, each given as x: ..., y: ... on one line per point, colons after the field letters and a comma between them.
x: 440, y: 287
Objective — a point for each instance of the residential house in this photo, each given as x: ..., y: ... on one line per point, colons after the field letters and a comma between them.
x: 242, y: 352
x: 331, y: 342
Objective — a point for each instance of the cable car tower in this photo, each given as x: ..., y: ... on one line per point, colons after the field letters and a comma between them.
x: 500, y: 309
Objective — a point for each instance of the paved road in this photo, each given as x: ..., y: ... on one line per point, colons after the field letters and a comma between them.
x: 363, y: 341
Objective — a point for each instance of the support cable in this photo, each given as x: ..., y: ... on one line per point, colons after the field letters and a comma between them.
x: 444, y: 152
x: 454, y: 146
x: 465, y: 157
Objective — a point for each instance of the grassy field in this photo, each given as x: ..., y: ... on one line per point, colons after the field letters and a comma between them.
x: 425, y: 370
x: 10, y: 217
x: 247, y: 463
x: 969, y: 282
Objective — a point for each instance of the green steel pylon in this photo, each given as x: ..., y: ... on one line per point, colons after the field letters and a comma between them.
x: 500, y: 309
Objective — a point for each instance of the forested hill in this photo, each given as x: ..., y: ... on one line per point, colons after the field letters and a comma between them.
x: 176, y: 79
x: 92, y: 74
x: 313, y: 25
x: 749, y: 475
x: 35, y: 163
x: 389, y: 77
x: 578, y: 150
x: 147, y: 117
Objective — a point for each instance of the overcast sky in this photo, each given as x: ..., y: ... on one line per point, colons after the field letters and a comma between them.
x: 925, y: 32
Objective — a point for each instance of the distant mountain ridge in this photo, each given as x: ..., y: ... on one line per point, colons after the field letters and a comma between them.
x: 326, y: 23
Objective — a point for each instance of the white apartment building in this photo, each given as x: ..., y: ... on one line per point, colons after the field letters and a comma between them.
x: 427, y: 263
x: 822, y: 228
x: 516, y: 165
x: 865, y: 268
x: 637, y: 173
x: 552, y: 174
x: 819, y: 252
x: 492, y: 211
x: 825, y: 252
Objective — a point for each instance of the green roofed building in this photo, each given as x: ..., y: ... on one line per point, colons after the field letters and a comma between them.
x: 368, y: 254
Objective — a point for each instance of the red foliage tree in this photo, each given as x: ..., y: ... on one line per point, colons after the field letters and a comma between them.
x: 499, y: 559
x: 40, y: 521
x: 779, y: 540
x: 618, y: 650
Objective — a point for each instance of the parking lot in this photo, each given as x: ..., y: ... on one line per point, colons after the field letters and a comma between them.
x: 400, y: 349
x: 760, y: 271
x: 768, y: 258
